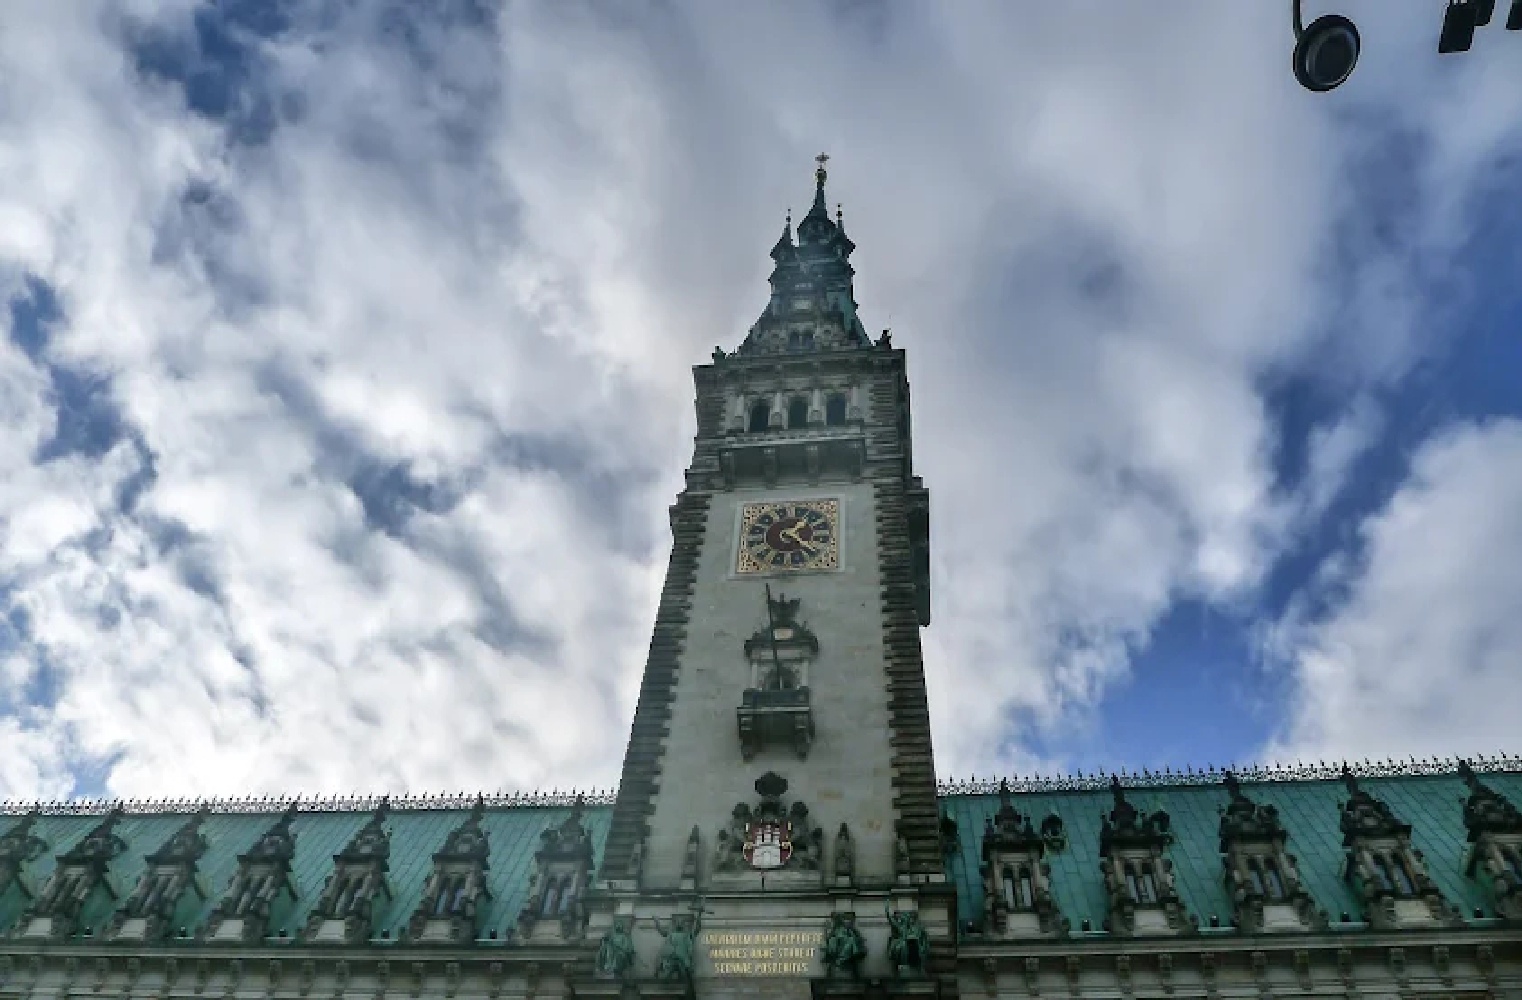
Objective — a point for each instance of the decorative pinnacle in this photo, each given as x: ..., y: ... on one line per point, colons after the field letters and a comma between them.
x: 819, y: 174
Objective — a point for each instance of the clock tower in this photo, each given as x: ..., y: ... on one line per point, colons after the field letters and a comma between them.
x: 776, y: 819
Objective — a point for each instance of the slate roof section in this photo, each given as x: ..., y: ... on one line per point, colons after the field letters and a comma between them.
x: 1432, y: 804
x: 1310, y: 809
x: 416, y: 834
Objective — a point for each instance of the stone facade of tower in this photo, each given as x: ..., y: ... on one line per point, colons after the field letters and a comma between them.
x: 784, y: 698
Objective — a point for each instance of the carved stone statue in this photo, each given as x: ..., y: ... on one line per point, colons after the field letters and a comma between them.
x: 729, y: 845
x: 908, y: 942
x: 844, y: 947
x: 900, y: 851
x: 615, y: 955
x: 637, y: 861
x: 690, y: 858
x: 676, y: 958
x: 808, y: 848
x: 845, y: 854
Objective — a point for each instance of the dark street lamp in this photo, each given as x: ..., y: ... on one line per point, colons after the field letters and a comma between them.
x: 1327, y: 50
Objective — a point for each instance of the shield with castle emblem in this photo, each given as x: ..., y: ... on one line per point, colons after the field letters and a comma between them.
x: 768, y: 843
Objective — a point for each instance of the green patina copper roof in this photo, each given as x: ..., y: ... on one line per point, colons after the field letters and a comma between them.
x: 1310, y: 810
x: 416, y: 834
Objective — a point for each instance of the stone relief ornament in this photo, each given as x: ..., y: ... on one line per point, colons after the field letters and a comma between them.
x: 845, y: 856
x: 771, y: 836
x: 768, y: 843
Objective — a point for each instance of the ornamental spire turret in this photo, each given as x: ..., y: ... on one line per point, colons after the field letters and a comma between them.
x: 812, y: 305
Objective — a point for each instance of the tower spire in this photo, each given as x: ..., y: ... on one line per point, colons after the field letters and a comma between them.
x: 819, y: 177
x: 812, y: 305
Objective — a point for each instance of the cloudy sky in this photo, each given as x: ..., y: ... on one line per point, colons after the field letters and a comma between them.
x: 346, y: 373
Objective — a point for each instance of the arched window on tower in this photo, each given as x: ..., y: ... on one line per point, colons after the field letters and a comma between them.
x: 798, y: 412
x: 835, y: 410
x: 760, y: 416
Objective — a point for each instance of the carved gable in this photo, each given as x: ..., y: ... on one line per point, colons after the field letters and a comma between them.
x: 148, y: 913
x: 1494, y: 827
x: 562, y: 872
x: 1017, y: 894
x: 456, y: 895
x: 18, y: 848
x: 263, y: 882
x: 1389, y: 874
x: 356, y: 891
x: 80, y: 872
x: 1262, y: 877
x: 1138, y: 876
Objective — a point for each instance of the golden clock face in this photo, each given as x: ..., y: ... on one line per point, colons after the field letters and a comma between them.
x: 790, y: 535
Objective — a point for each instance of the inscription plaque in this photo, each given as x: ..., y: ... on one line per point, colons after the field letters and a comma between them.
x: 762, y: 952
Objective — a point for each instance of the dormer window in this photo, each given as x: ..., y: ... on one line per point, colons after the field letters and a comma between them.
x: 1017, y: 896
x: 455, y: 897
x: 1387, y: 871
x: 261, y: 883
x: 1019, y: 887
x: 760, y: 416
x: 1143, y: 896
x: 1494, y: 826
x: 1259, y: 871
x: 356, y: 893
x: 562, y: 866
x: 1143, y: 884
x: 78, y: 878
x: 835, y: 410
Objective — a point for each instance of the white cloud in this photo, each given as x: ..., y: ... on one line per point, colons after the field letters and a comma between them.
x: 1420, y: 656
x: 474, y: 268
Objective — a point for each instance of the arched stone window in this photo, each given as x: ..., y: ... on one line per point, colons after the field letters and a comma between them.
x: 1027, y: 888
x: 1273, y: 879
x: 550, y: 905
x: 835, y: 410
x: 1382, y: 872
x: 1132, y: 886
x: 1403, y: 880
x: 1255, y: 875
x: 1008, y: 880
x: 798, y: 412
x: 1148, y: 884
x: 760, y: 416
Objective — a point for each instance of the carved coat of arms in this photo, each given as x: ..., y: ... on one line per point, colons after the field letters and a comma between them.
x: 768, y: 843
